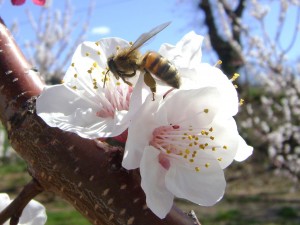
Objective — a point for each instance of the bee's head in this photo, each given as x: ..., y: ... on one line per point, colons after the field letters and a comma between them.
x: 112, y: 67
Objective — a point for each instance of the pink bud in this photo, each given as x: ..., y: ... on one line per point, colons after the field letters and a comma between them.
x: 39, y: 2
x: 17, y: 2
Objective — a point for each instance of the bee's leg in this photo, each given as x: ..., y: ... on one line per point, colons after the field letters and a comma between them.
x: 150, y: 82
x: 125, y: 81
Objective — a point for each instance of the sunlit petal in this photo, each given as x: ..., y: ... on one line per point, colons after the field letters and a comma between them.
x: 158, y: 198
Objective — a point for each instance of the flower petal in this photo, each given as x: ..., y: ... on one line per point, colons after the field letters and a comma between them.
x: 244, y: 150
x: 225, y: 140
x: 187, y: 52
x: 158, y: 198
x: 139, y: 134
x: 205, y: 75
x: 186, y: 107
x: 34, y: 214
x: 205, y: 187
x: 4, y: 201
x: 61, y: 107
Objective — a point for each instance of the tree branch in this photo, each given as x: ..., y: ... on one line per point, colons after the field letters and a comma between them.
x: 88, y: 177
x: 227, y: 52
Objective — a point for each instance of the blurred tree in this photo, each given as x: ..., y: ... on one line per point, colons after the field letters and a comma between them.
x: 254, y: 40
x: 56, y: 36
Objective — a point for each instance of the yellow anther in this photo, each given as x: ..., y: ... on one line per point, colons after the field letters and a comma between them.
x: 95, y: 64
x: 191, y: 144
x: 219, y: 62
x: 213, y: 148
x: 191, y: 160
x: 168, y: 151
x: 212, y: 137
x: 206, y: 144
x: 225, y: 147
x: 220, y: 159
x: 206, y: 110
x: 207, y: 165
x: 118, y: 47
x: 75, y: 75
x: 196, y: 138
x: 235, y: 76
x: 74, y: 87
x: 235, y: 86
x: 87, y: 54
x: 90, y: 71
x: 185, y: 156
x: 73, y: 64
x: 241, y: 101
x: 190, y: 137
x: 97, y: 43
x: 130, y: 42
x: 211, y: 129
x: 197, y: 169
x: 118, y: 83
x: 183, y: 138
x: 187, y: 151
x: 98, y: 53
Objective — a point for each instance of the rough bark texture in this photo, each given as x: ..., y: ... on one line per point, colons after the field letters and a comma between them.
x: 230, y: 56
x: 89, y: 178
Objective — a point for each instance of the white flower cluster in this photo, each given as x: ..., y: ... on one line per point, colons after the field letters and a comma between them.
x: 181, y: 141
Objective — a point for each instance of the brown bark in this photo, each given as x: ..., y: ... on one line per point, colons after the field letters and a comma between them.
x: 230, y: 57
x: 89, y: 178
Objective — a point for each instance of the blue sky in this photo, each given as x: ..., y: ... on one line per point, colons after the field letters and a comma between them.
x: 124, y: 18
x: 129, y: 18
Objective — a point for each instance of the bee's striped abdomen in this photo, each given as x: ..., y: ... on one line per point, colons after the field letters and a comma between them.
x: 162, y: 68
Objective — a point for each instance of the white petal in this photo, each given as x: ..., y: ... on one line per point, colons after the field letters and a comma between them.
x: 205, y: 75
x: 4, y: 201
x: 244, y: 150
x: 205, y: 187
x: 158, y: 198
x: 187, y: 106
x: 60, y: 106
x: 225, y: 134
x: 34, y: 214
x: 187, y: 52
x: 140, y: 134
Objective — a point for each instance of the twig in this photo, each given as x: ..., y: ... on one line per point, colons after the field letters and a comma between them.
x: 15, y: 208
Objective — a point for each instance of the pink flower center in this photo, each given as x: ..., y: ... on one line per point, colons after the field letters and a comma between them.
x: 183, y: 143
x: 116, y: 99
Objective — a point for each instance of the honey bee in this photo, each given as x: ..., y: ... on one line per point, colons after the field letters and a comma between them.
x: 127, y: 61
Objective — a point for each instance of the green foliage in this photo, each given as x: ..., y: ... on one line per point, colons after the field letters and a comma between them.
x: 65, y: 217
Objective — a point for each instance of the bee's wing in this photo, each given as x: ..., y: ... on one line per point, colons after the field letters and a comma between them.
x: 148, y: 35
